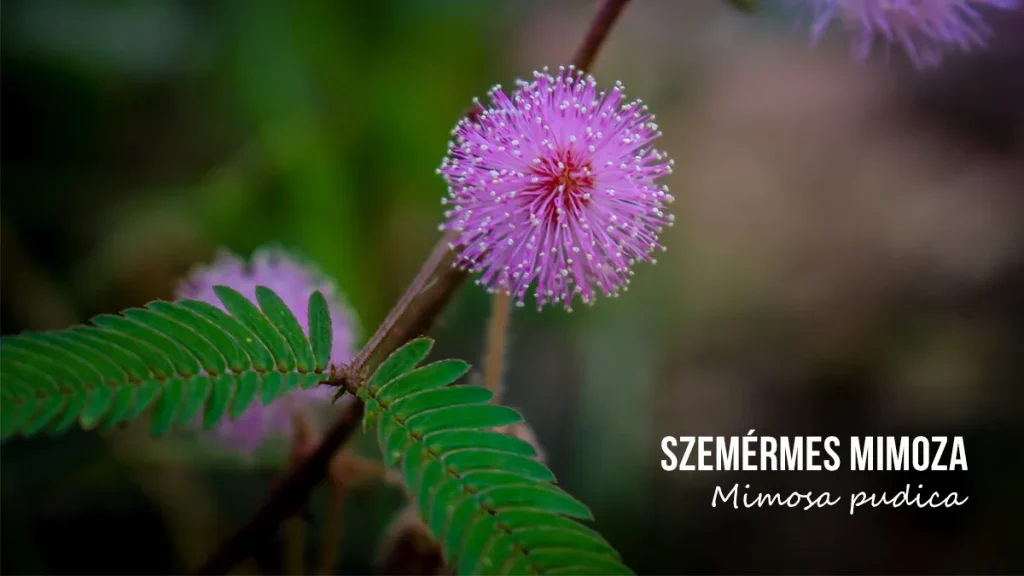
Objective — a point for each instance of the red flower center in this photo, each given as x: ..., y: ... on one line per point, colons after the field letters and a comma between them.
x: 564, y: 184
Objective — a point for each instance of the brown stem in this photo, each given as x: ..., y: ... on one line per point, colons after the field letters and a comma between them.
x: 600, y: 26
x: 287, y: 500
x: 416, y: 306
x: 411, y: 312
x: 434, y: 285
x: 497, y: 330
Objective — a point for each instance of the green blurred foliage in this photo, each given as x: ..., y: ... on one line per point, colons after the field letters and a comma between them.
x: 140, y: 136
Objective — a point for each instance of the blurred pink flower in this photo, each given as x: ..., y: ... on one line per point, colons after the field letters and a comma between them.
x: 293, y: 282
x: 925, y: 29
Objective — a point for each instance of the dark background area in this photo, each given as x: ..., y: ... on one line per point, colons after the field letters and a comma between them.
x: 847, y: 259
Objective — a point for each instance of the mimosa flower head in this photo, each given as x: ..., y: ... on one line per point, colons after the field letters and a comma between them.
x: 554, y: 186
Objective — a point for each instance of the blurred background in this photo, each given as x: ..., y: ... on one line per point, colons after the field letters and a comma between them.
x: 848, y: 259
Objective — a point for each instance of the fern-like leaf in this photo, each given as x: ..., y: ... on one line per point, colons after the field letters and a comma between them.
x: 178, y: 361
x: 486, y: 498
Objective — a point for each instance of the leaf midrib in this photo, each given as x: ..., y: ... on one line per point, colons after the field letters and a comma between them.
x: 470, y: 491
x: 89, y: 387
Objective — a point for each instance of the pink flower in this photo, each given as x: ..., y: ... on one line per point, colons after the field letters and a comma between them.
x: 926, y: 29
x: 294, y: 282
x: 555, y: 184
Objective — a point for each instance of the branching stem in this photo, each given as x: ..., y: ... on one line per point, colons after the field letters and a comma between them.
x: 287, y: 500
x: 432, y: 288
x: 600, y: 26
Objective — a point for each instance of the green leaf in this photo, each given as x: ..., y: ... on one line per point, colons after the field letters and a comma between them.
x: 307, y: 381
x: 482, y: 480
x: 470, y: 460
x: 482, y: 532
x: 109, y: 373
x: 97, y: 407
x: 43, y: 345
x: 220, y: 397
x: 293, y: 380
x: 536, y: 496
x: 415, y: 456
x: 209, y: 358
x: 259, y: 354
x: 271, y: 388
x: 156, y: 362
x: 463, y: 417
x: 49, y: 410
x: 183, y: 363
x: 440, y: 398
x: 253, y: 319
x: 76, y: 402
x: 438, y: 505
x: 524, y: 519
x: 167, y: 405
x: 451, y: 440
x: 459, y: 520
x: 320, y: 330
x: 196, y: 392
x: 484, y: 495
x: 430, y: 478
x: 149, y: 391
x: 569, y: 557
x: 245, y: 393
x: 279, y: 314
x: 371, y: 413
x: 392, y: 440
x: 222, y: 341
x: 122, y: 405
x: 23, y: 369
x: 92, y: 337
x: 401, y: 361
x: 540, y: 537
x: 436, y: 375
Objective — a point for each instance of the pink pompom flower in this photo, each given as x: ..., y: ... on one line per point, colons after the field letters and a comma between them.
x: 294, y: 282
x: 925, y: 29
x: 554, y: 186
